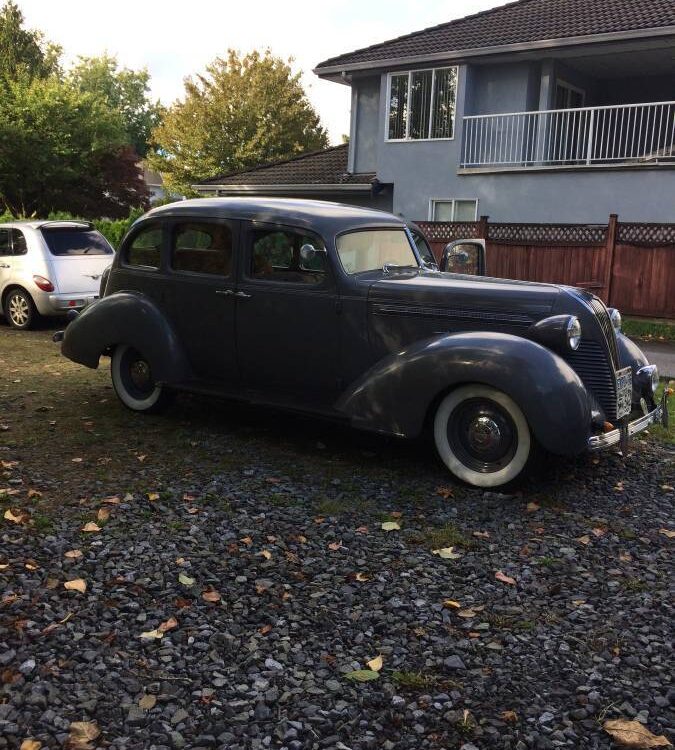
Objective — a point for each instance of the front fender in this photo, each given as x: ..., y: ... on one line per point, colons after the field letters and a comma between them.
x: 395, y: 395
x: 126, y: 318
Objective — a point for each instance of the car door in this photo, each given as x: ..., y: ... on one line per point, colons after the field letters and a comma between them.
x: 287, y: 313
x: 5, y: 257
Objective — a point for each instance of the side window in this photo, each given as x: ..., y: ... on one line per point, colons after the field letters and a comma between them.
x: 145, y: 249
x: 18, y: 242
x: 276, y: 257
x: 202, y: 248
x: 5, y: 245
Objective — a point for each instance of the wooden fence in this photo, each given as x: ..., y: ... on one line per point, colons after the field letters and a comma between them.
x: 630, y: 266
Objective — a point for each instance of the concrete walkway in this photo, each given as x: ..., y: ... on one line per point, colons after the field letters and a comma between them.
x: 661, y: 354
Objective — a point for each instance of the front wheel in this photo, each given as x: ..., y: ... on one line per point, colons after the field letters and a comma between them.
x: 482, y: 436
x: 133, y: 381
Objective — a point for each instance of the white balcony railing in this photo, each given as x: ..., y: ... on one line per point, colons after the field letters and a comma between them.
x: 618, y: 134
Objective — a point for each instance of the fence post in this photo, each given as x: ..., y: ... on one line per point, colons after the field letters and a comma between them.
x: 483, y: 227
x: 609, y: 255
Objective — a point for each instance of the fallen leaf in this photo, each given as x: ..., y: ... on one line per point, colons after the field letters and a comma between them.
x: 335, y: 546
x: 76, y: 584
x: 73, y: 554
x: 396, y: 514
x: 362, y: 675
x: 149, y: 635
x: 446, y: 553
x: 185, y: 580
x: 142, y: 457
x: 625, y: 556
x: 362, y: 530
x: 153, y: 496
x: 451, y: 604
x: 169, y: 624
x: 509, y: 716
x: 183, y: 603
x: 362, y: 577
x: 180, y: 560
x: 444, y: 492
x: 319, y: 519
x: 481, y: 534
x: 598, y: 531
x: 633, y: 734
x: 467, y: 613
x: 30, y: 744
x: 585, y: 539
x: 532, y: 507
x: 376, y: 663
x: 266, y: 554
x: 578, y: 602
x: 193, y: 511
x: 4, y: 566
x: 390, y: 526
x: 504, y: 578
x: 77, y: 460
x: 265, y: 629
x: 103, y: 514
x: 147, y: 702
x: 16, y: 515
x: 668, y: 488
x: 114, y: 500
x: 211, y: 595
x: 31, y: 564
x: 82, y: 733
x: 91, y: 527
x: 247, y: 541
x: 667, y: 533
x: 34, y: 493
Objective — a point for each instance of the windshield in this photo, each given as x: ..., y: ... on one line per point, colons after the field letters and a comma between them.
x: 74, y: 241
x: 372, y: 249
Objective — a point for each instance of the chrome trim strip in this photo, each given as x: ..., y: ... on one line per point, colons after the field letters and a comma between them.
x: 598, y: 442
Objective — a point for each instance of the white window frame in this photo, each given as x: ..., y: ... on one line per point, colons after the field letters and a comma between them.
x: 407, y: 138
x: 454, y: 201
x: 570, y: 87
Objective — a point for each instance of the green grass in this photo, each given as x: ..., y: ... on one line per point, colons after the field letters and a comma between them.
x: 415, y: 680
x: 665, y: 435
x: 656, y: 329
x: 448, y: 536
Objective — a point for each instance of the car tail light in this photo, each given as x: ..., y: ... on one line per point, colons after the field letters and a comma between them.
x: 44, y: 284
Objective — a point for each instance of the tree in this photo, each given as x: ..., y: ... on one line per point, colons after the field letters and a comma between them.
x: 64, y: 150
x: 24, y: 52
x: 123, y: 90
x: 243, y: 111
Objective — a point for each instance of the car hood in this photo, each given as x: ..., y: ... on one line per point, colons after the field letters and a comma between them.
x: 502, y: 297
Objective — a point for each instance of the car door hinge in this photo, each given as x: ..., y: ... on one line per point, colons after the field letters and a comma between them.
x: 338, y: 306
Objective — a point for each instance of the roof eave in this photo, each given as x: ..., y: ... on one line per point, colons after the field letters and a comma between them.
x: 355, y: 187
x: 339, y: 72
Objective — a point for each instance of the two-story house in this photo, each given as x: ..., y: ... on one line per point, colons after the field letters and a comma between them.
x: 535, y: 111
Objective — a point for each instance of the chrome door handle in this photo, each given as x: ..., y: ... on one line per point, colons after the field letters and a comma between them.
x: 225, y: 292
x: 242, y: 295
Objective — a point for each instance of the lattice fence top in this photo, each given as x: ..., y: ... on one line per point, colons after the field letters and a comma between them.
x: 548, y: 234
x: 446, y: 231
x: 654, y: 235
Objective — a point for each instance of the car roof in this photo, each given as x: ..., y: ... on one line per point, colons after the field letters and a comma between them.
x: 322, y: 216
x: 37, y: 223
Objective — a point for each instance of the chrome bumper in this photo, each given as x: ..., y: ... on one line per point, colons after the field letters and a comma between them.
x: 607, y: 439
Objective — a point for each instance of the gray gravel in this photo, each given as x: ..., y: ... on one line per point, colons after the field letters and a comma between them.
x: 584, y: 635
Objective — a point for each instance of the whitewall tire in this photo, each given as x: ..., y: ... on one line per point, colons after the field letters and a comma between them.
x: 482, y: 436
x: 133, y: 382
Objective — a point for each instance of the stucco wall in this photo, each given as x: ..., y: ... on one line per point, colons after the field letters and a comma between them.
x: 424, y: 170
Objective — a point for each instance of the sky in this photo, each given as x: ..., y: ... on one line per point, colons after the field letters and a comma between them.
x: 177, y: 39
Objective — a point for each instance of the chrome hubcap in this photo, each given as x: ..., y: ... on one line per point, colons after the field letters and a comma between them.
x: 18, y: 310
x: 484, y: 434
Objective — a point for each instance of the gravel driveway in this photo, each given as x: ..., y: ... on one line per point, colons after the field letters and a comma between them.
x: 250, y: 552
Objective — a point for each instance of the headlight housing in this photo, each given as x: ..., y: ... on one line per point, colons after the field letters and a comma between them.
x: 615, y: 319
x: 649, y: 376
x: 573, y: 331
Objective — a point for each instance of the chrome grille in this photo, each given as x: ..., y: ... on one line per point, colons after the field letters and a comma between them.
x: 591, y: 364
x: 602, y: 317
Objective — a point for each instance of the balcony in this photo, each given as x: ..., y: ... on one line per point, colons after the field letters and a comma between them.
x: 617, y: 135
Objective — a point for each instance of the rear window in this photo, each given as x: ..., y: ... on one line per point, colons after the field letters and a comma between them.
x: 71, y: 241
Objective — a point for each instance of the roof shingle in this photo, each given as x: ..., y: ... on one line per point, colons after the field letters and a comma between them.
x: 327, y: 167
x: 517, y: 23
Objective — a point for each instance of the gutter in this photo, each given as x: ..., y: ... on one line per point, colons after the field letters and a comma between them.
x: 336, y: 71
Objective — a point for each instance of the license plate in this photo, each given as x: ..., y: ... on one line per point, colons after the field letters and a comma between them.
x: 624, y: 392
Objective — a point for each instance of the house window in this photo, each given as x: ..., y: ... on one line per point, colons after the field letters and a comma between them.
x: 453, y: 210
x: 422, y: 104
x: 568, y: 96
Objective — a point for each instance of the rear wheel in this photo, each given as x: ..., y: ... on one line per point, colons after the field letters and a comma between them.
x: 133, y: 381
x: 20, y: 310
x: 482, y: 436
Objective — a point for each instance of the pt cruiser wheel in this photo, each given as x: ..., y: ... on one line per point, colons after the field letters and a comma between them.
x: 133, y: 381
x: 482, y: 435
x: 20, y: 310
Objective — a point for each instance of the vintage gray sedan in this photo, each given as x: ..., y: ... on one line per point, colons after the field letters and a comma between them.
x: 332, y: 309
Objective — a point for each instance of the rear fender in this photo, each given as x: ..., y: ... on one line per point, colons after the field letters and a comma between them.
x: 396, y: 394
x: 127, y: 318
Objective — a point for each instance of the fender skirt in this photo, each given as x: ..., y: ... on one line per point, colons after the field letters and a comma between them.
x: 127, y: 318
x: 396, y: 394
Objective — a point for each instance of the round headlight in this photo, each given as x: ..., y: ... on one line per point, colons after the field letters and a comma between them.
x: 649, y: 375
x: 615, y: 318
x: 573, y: 332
